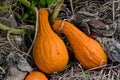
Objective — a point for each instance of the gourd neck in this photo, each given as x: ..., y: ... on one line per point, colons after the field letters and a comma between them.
x: 71, y: 31
x: 44, y: 25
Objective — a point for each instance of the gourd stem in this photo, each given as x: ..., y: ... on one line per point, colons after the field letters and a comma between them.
x: 56, y: 11
x: 25, y: 3
x: 28, y: 5
x: 13, y: 30
x: 35, y: 10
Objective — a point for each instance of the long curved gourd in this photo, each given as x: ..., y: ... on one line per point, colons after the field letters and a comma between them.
x: 86, y: 50
x: 49, y: 51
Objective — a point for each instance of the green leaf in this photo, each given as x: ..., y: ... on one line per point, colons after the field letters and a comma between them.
x: 46, y: 2
x: 34, y: 3
x: 49, y: 2
x: 43, y: 2
x: 25, y: 16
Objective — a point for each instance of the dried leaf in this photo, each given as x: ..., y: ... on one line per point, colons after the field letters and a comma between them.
x: 18, y: 60
x: 112, y: 48
x: 15, y: 74
x: 22, y: 63
x: 94, y: 23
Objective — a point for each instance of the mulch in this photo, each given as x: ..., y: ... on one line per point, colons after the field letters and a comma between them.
x: 91, y: 16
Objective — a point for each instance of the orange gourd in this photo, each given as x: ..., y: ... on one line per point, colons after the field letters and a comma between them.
x: 35, y: 75
x: 49, y: 51
x: 86, y: 50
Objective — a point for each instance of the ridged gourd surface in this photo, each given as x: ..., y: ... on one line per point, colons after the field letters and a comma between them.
x: 49, y: 51
x: 86, y: 50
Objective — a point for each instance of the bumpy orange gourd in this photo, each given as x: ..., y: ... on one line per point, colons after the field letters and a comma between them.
x: 87, y: 51
x: 49, y: 51
x: 35, y: 75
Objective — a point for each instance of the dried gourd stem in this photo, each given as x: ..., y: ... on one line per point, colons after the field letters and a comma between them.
x: 61, y: 26
x: 35, y: 10
x: 36, y: 30
x: 56, y: 10
x: 8, y: 38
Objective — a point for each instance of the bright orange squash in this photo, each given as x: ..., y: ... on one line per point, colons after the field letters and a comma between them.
x: 86, y: 50
x: 49, y: 51
x: 35, y: 75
